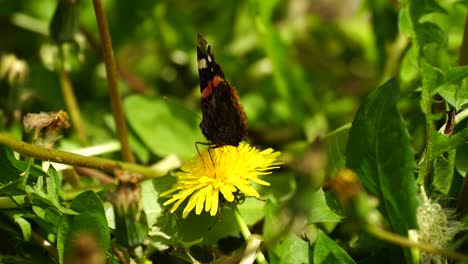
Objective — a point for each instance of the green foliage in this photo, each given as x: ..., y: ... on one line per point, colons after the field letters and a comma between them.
x: 91, y: 219
x: 309, y: 75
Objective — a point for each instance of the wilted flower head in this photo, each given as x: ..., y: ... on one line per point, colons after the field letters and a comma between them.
x: 45, y: 127
x: 223, y: 170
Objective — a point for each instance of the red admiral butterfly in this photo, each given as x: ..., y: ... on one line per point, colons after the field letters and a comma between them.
x: 224, y: 121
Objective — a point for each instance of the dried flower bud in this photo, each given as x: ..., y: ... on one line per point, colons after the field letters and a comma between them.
x: 346, y: 185
x: 130, y: 219
x: 66, y: 21
x: 45, y: 127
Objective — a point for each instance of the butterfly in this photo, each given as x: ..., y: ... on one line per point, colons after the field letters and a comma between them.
x: 223, y: 118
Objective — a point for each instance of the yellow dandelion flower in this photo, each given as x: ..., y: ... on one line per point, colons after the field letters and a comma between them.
x: 222, y: 170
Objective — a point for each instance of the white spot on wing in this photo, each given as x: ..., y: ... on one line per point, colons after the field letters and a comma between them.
x: 202, y: 64
x: 209, y: 58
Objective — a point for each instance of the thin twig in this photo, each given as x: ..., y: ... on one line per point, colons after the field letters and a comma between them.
x: 111, y: 72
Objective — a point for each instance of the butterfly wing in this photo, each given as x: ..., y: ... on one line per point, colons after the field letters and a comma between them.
x: 224, y: 121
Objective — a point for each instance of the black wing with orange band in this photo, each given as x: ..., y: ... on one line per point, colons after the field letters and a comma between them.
x: 224, y: 121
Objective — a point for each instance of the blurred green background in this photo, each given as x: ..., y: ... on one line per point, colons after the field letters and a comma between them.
x: 300, y: 67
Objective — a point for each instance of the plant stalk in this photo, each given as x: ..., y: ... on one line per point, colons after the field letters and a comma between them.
x: 246, y: 234
x: 70, y: 100
x: 75, y: 159
x: 405, y: 242
x: 111, y: 73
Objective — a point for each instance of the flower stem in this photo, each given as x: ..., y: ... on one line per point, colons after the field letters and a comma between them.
x: 70, y: 100
x: 111, y: 73
x: 75, y: 159
x: 405, y: 242
x: 246, y: 233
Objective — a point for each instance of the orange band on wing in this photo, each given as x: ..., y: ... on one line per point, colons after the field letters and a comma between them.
x: 208, y: 90
x: 216, y: 80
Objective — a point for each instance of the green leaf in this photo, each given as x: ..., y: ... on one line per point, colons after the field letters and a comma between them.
x: 404, y: 22
x: 287, y: 249
x: 461, y: 158
x: 424, y: 7
x: 443, y: 172
x: 430, y: 33
x: 9, y: 172
x: 379, y: 150
x: 153, y: 209
x: 434, y: 77
x: 24, y: 225
x: 455, y: 94
x: 91, y: 220
x: 327, y: 251
x: 163, y: 127
x: 442, y: 143
x: 320, y: 212
x: 335, y: 143
x: 13, y: 180
x: 454, y: 87
x: 455, y: 75
x: 291, y: 249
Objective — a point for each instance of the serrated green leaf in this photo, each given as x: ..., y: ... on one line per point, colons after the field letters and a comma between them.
x: 90, y: 220
x: 379, y: 150
x: 48, y: 194
x: 327, y: 251
x: 163, y: 127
